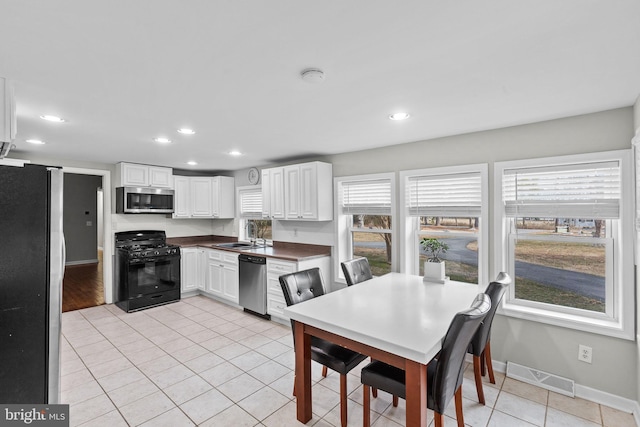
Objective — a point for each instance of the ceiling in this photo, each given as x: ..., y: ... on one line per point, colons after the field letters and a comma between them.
x: 123, y: 72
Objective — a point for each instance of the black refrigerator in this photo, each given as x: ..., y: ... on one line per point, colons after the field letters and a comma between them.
x: 31, y: 272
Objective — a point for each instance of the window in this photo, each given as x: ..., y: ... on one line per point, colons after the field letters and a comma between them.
x: 565, y: 235
x: 251, y: 224
x: 448, y: 204
x: 364, y: 212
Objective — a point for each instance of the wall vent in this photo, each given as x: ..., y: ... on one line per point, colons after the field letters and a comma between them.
x: 541, y: 379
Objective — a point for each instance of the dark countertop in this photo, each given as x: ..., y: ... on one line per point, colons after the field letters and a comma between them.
x: 280, y: 250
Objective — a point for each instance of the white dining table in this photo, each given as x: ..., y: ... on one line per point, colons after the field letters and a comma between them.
x: 396, y: 318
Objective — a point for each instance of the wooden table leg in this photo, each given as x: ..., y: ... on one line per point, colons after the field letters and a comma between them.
x: 303, y: 373
x: 416, y: 401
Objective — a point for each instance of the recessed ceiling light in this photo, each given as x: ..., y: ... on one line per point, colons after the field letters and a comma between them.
x: 399, y: 116
x: 50, y: 118
x: 35, y: 141
x: 186, y: 131
x: 235, y: 153
x: 192, y: 163
x: 162, y: 140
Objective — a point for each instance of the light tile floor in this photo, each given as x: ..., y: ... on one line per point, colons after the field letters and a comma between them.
x: 201, y: 362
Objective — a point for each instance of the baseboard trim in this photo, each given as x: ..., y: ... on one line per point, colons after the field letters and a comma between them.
x: 593, y: 395
x: 83, y: 261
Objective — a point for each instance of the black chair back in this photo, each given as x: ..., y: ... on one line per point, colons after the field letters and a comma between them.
x: 450, y: 366
x: 496, y: 291
x: 302, y: 285
x: 356, y: 270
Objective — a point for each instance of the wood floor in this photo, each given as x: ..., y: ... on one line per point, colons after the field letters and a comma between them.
x: 82, y: 286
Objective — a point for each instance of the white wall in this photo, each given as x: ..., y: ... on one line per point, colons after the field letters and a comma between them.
x: 173, y: 227
x: 636, y: 115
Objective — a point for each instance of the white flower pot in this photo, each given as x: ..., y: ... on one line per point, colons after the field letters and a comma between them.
x: 434, y: 272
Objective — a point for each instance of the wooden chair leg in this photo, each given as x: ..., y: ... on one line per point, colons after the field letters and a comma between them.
x: 374, y: 390
x: 324, y: 371
x: 483, y: 368
x: 459, y: 414
x: 366, y: 407
x: 438, y: 419
x: 487, y: 357
x: 343, y: 400
x: 478, y: 378
x: 395, y: 401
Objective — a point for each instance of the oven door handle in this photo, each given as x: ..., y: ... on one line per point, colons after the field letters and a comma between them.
x: 154, y: 259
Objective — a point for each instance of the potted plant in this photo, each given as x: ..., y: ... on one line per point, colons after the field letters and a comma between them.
x: 434, y: 269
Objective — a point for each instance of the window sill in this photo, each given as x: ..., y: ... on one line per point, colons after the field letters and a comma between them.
x: 602, y: 326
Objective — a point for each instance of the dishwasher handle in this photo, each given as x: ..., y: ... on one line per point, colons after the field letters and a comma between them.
x: 252, y: 259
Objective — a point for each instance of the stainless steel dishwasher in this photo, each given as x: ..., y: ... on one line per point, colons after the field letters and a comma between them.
x: 253, y: 284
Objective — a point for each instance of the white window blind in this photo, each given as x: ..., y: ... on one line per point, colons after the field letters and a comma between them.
x: 453, y: 195
x: 250, y: 203
x: 371, y: 197
x: 589, y: 190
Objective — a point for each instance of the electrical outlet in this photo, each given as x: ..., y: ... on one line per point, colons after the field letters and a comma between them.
x: 585, y: 353
x: 295, y: 232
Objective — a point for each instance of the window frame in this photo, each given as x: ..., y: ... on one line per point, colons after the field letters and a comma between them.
x: 242, y: 219
x: 608, y: 242
x: 344, y: 226
x: 409, y: 225
x: 619, y: 322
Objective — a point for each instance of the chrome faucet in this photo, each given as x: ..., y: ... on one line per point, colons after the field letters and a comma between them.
x: 251, y: 232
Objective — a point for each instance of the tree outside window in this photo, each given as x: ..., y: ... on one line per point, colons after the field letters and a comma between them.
x: 371, y: 238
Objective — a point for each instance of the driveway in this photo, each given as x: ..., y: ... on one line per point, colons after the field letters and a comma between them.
x: 581, y: 283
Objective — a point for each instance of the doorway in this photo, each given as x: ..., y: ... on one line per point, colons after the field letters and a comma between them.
x: 88, y: 271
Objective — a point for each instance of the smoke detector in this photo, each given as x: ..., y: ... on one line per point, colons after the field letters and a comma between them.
x: 312, y: 75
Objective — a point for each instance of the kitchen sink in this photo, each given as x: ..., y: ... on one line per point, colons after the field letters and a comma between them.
x: 239, y: 245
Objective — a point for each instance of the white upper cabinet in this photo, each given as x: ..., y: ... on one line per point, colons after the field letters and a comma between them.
x: 276, y: 190
x: 223, y: 197
x: 200, y: 197
x: 299, y: 192
x: 135, y: 175
x: 266, y: 193
x: 160, y: 177
x: 204, y: 197
x: 181, y: 199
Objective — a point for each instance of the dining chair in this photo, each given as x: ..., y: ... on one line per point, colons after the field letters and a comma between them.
x: 444, y: 372
x: 480, y: 345
x: 304, y: 285
x: 356, y: 270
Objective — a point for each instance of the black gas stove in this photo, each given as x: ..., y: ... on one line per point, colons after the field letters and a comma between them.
x: 147, y: 270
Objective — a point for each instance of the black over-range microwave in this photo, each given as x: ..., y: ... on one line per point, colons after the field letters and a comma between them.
x: 130, y: 200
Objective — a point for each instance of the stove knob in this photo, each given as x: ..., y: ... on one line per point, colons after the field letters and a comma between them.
x: 157, y: 252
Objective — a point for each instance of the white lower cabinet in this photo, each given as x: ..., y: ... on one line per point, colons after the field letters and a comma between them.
x: 222, y: 274
x: 276, y: 268
x: 215, y: 273
x: 191, y: 270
